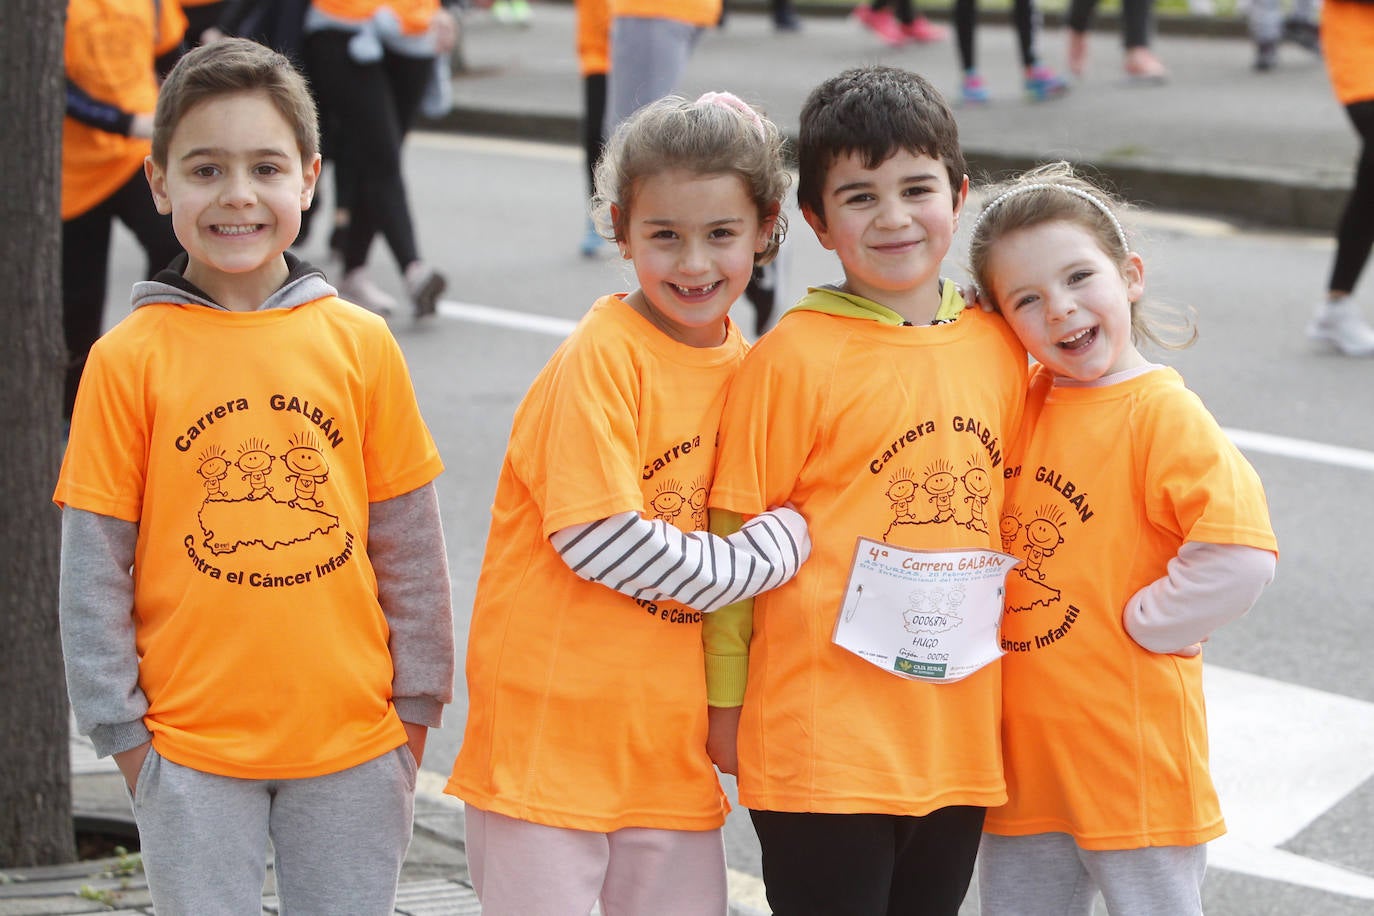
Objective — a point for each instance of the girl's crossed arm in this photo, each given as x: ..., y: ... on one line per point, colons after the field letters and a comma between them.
x: 649, y: 558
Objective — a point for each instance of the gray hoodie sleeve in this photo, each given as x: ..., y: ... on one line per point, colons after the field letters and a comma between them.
x: 95, y: 608
x: 405, y: 543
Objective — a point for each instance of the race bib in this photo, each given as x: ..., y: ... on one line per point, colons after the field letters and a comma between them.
x: 928, y: 615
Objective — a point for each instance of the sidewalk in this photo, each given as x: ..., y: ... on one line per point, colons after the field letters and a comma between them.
x: 1265, y: 148
x: 433, y: 879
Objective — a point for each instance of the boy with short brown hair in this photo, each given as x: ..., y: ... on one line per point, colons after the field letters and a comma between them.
x: 880, y: 409
x: 255, y: 600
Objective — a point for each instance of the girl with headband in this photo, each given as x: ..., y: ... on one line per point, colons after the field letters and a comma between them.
x: 584, y: 763
x: 1142, y: 530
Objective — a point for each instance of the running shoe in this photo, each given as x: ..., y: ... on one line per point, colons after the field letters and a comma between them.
x: 922, y: 31
x: 424, y: 285
x: 357, y: 287
x: 974, y: 89
x: 1043, y: 84
x: 1341, y: 326
x: 881, y: 23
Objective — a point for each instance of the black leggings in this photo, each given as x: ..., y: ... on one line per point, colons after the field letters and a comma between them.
x: 593, y: 130
x: 868, y: 864
x: 966, y: 23
x: 86, y: 259
x: 374, y: 106
x: 1355, y: 233
x: 1135, y: 20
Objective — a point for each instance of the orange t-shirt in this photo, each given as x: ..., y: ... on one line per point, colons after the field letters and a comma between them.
x: 1105, y: 740
x: 110, y: 49
x: 593, y: 36
x: 247, y: 447
x: 414, y: 15
x: 704, y: 13
x: 587, y: 708
x: 890, y: 433
x: 1347, y: 33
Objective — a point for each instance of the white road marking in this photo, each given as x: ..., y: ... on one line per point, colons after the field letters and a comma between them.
x: 505, y: 318
x: 1282, y: 755
x: 1302, y: 449
x: 1283, y: 446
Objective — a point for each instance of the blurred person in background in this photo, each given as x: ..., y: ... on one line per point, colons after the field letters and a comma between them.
x: 1347, y: 37
x: 116, y: 52
x: 370, y: 63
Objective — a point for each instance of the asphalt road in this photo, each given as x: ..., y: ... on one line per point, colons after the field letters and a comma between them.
x: 1290, y: 690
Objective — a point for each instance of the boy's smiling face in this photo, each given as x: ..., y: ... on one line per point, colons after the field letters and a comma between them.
x: 891, y: 226
x: 235, y: 186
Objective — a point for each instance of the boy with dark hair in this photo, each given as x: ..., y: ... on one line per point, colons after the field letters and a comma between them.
x: 879, y: 408
x: 255, y: 599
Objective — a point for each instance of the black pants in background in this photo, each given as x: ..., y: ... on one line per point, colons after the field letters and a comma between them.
x: 85, y: 263
x: 373, y: 105
x: 1355, y: 234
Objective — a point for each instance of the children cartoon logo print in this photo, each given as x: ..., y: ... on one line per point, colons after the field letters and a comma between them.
x: 259, y: 517
x: 941, y: 485
x: 214, y: 467
x: 309, y: 468
x: 1040, y: 538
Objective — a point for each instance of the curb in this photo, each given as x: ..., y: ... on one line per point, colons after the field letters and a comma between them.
x: 1274, y: 199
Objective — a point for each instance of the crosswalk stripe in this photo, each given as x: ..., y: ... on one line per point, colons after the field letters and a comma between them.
x: 1282, y: 755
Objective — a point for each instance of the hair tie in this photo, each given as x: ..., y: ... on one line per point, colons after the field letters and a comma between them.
x: 1047, y: 186
x: 731, y: 101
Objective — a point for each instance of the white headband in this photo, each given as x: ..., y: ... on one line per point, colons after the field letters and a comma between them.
x: 1048, y: 186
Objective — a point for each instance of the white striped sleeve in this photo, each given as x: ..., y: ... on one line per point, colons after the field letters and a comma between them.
x: 649, y: 558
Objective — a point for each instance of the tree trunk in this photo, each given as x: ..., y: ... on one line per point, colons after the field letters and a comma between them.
x: 35, y: 788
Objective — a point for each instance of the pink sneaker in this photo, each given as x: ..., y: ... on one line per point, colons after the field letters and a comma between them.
x: 869, y: 18
x: 885, y: 26
x: 923, y: 31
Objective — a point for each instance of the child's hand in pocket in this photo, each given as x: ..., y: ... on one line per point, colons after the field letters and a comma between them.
x: 131, y: 761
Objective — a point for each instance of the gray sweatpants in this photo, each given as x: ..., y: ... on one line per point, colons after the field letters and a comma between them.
x: 1048, y: 874
x: 1266, y: 17
x: 338, y: 839
x: 648, y: 58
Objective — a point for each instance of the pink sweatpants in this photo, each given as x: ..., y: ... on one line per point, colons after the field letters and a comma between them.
x: 519, y: 868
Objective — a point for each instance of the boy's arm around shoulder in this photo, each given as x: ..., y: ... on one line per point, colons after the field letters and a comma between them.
x: 405, y: 544
x: 95, y: 613
x: 725, y: 638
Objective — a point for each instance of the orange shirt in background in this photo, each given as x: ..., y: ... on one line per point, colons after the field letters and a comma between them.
x: 593, y: 36
x: 413, y: 14
x: 587, y: 708
x: 1347, y: 33
x: 110, y: 49
x: 704, y: 13
x: 1105, y: 740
